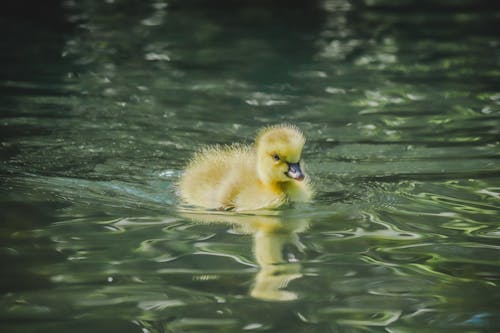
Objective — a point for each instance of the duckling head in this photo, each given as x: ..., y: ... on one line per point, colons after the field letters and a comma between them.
x: 279, y: 150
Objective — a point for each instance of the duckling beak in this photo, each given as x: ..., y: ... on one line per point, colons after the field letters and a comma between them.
x: 294, y: 171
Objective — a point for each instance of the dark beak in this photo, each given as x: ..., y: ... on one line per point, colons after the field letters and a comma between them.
x: 294, y: 171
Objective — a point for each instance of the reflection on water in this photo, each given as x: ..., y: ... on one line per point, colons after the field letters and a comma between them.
x: 272, y: 240
x: 104, y: 102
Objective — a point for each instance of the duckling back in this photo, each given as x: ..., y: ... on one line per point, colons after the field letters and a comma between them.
x: 216, y: 175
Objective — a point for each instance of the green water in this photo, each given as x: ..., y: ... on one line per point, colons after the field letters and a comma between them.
x: 103, y: 102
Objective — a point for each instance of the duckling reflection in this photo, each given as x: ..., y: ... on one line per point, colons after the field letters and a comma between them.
x: 272, y: 236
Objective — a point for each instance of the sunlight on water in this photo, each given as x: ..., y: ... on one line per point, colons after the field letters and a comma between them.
x: 105, y: 102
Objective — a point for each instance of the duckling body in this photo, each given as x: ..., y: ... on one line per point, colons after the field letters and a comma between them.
x: 243, y: 177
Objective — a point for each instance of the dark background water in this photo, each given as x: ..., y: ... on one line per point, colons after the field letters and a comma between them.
x: 103, y: 102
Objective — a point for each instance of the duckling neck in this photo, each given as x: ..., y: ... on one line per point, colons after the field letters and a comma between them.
x: 265, y: 181
x: 276, y: 187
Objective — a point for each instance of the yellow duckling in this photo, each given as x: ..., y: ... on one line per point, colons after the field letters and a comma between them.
x: 243, y: 177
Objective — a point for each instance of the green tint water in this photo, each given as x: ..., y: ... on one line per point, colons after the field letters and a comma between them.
x: 104, y: 102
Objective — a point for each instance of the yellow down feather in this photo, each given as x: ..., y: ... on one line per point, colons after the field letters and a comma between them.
x: 248, y: 177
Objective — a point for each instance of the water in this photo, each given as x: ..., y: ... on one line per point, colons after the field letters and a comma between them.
x: 104, y: 102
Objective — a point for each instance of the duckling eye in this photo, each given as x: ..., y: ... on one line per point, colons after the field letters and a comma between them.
x: 276, y: 157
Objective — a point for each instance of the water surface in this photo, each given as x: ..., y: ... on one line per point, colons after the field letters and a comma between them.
x: 104, y: 102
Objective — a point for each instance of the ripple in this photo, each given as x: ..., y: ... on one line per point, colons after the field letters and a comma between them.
x: 491, y: 191
x: 459, y: 205
x: 491, y: 232
x: 447, y: 261
x: 191, y: 323
x: 159, y: 305
x: 363, y: 317
x: 264, y: 99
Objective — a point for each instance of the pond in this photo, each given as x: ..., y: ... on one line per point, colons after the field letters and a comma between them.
x: 104, y: 102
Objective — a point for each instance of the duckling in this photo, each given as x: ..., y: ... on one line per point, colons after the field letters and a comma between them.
x: 243, y: 177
